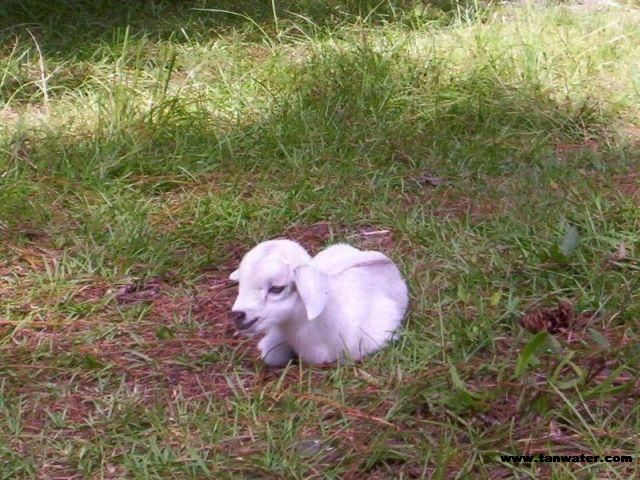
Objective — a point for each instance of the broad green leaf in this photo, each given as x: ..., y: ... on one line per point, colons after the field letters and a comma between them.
x: 528, y: 352
x: 605, y: 387
x: 91, y: 362
x: 561, y: 364
x: 164, y: 333
x: 600, y: 339
x: 455, y: 378
x: 460, y: 385
x: 495, y: 298
x: 565, y: 384
x: 463, y: 295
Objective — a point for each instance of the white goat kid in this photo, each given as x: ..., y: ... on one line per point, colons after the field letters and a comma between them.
x: 342, y: 302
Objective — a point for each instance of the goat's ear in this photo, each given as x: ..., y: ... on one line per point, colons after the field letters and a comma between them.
x: 235, y: 276
x: 313, y: 287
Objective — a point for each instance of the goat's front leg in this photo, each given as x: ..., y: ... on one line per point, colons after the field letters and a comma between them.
x: 274, y: 349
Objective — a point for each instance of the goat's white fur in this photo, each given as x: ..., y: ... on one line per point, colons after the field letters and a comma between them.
x: 342, y: 302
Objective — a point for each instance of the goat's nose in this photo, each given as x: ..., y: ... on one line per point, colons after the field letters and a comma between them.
x: 238, y: 318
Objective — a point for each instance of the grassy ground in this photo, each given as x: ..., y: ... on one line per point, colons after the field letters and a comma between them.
x: 491, y: 150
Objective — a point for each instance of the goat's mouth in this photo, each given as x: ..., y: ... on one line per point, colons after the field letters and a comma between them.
x: 247, y: 325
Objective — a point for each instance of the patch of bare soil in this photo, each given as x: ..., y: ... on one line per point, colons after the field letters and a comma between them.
x: 171, y: 354
x: 174, y: 350
x: 574, y: 327
x: 149, y: 290
x: 312, y: 237
x: 180, y: 346
x: 372, y: 238
x: 451, y: 202
x: 33, y: 257
x: 368, y: 237
x: 629, y: 185
x: 596, y: 344
x: 565, y: 149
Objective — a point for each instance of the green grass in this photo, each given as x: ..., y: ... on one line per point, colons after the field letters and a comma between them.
x: 145, y: 146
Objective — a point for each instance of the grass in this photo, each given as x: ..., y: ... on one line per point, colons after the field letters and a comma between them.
x: 491, y: 150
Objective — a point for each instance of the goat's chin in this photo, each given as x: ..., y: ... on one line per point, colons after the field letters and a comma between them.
x: 265, y: 324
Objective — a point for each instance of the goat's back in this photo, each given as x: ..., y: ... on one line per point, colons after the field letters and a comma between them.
x: 358, y: 275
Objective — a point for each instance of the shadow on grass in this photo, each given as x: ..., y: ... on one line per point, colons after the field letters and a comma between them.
x: 340, y: 107
x: 354, y: 114
x: 73, y: 28
x: 380, y: 107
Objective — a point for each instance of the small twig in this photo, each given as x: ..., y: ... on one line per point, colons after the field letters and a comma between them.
x: 375, y: 232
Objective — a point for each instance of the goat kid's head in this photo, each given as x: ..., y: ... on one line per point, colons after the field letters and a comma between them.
x: 277, y: 284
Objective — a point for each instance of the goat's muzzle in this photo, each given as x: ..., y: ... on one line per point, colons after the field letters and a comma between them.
x: 240, y: 320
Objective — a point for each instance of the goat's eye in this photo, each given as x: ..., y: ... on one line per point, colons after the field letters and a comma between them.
x: 276, y: 289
